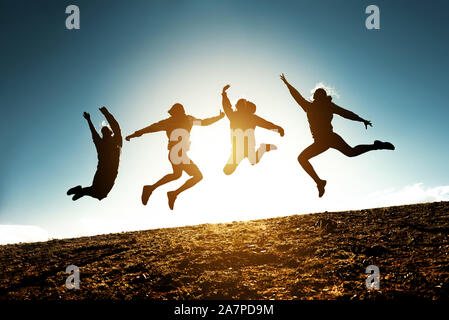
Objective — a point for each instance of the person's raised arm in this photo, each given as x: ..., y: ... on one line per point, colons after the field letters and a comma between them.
x: 208, y: 121
x: 296, y: 95
x: 113, y: 123
x: 227, y: 107
x: 95, y: 136
x: 349, y: 115
x: 155, y: 127
x: 260, y: 122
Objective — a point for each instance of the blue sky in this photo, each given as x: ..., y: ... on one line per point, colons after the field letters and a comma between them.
x: 140, y: 57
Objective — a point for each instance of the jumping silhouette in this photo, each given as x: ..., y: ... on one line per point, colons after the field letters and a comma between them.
x: 319, y: 114
x: 177, y: 128
x: 243, y: 122
x: 108, y: 148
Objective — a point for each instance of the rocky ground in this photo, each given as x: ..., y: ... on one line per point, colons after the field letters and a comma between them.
x: 313, y: 256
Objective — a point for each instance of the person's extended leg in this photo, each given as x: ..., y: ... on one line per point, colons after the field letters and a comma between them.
x: 101, y: 185
x: 253, y: 155
x: 263, y: 148
x: 339, y: 144
x: 312, y: 151
x: 148, y: 189
x: 196, y: 176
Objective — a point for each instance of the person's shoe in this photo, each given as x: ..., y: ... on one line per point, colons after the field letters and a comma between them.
x: 269, y: 147
x: 229, y: 169
x: 320, y: 187
x: 146, y: 193
x: 74, y: 190
x: 383, y: 145
x: 171, y: 199
x: 77, y: 196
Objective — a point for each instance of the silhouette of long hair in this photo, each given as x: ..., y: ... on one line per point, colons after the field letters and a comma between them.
x: 320, y: 95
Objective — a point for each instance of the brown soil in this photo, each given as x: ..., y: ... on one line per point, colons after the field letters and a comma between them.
x: 313, y: 256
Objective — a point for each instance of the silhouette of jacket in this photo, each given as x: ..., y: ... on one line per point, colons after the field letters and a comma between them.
x: 109, y: 151
x: 320, y: 115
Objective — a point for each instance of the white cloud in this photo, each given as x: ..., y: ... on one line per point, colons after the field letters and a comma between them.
x: 19, y: 233
x: 415, y: 193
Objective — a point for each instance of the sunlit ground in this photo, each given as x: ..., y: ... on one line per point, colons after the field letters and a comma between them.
x: 318, y: 256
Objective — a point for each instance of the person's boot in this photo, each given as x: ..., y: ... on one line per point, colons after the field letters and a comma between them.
x: 171, y: 199
x: 78, y: 195
x: 320, y: 187
x: 74, y: 190
x: 146, y: 193
x: 269, y: 147
x: 383, y: 145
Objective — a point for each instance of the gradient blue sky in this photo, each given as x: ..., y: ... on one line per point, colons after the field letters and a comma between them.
x: 140, y: 57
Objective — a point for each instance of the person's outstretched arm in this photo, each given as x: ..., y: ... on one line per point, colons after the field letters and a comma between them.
x: 349, y: 115
x: 155, y: 127
x: 296, y: 95
x: 208, y: 121
x: 260, y: 122
x: 95, y: 136
x: 227, y: 106
x: 114, y: 124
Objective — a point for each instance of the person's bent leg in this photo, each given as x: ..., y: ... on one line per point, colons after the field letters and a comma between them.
x: 196, y: 176
x: 189, y: 183
x: 168, y: 178
x: 312, y: 151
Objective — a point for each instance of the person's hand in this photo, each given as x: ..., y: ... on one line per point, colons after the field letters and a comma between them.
x: 367, y: 123
x: 86, y: 116
x: 221, y: 114
x: 283, y: 79
x: 226, y: 88
x: 103, y: 109
x: 128, y: 138
x: 281, y: 131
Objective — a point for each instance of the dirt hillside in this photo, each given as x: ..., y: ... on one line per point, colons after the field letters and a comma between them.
x: 313, y: 256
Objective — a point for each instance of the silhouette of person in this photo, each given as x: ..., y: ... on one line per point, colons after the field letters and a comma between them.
x: 109, y: 148
x: 319, y: 114
x: 243, y: 122
x: 177, y: 128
